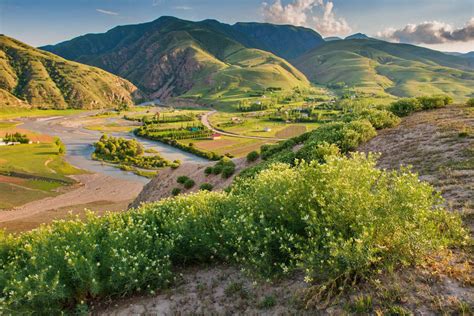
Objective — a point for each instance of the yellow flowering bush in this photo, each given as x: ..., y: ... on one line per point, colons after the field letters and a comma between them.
x: 341, y: 217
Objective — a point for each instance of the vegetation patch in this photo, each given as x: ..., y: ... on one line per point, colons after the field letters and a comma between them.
x: 126, y: 153
x: 285, y: 219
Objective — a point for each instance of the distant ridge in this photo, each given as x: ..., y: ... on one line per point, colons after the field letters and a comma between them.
x: 382, y: 68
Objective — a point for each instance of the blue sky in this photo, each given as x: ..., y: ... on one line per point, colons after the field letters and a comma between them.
x: 40, y: 22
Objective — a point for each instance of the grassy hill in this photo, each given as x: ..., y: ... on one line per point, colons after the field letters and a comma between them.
x: 31, y: 77
x: 386, y: 68
x: 171, y: 57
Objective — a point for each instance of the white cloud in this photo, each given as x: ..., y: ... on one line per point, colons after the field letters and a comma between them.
x: 316, y: 14
x: 183, y: 7
x: 107, y: 12
x: 432, y: 32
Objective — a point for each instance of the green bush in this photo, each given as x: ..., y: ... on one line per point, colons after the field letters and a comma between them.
x: 175, y: 164
x: 252, y: 156
x: 470, y: 102
x: 175, y: 191
x: 189, y: 183
x: 182, y: 179
x: 341, y: 218
x: 228, y: 171
x: 379, y: 119
x: 217, y: 169
x: 206, y: 186
x: 404, y: 107
x: 208, y: 171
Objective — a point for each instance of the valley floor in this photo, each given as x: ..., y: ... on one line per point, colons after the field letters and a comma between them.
x: 440, y: 146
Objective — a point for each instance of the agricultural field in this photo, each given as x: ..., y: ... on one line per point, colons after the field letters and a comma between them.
x: 271, y: 124
x: 227, y: 145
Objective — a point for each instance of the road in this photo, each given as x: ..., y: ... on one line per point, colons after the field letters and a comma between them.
x: 205, y: 122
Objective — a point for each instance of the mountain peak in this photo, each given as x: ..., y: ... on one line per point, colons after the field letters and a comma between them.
x: 357, y: 36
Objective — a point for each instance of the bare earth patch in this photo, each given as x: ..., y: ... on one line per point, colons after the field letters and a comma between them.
x: 440, y: 146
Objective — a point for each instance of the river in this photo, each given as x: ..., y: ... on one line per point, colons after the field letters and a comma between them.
x: 79, y: 140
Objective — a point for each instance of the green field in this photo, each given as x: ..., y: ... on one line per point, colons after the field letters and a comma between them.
x: 39, y: 172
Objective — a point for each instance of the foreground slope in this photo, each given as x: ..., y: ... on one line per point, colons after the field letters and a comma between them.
x: 171, y: 57
x: 31, y: 77
x: 386, y: 68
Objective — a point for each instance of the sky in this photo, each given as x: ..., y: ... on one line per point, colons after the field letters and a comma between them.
x: 445, y: 25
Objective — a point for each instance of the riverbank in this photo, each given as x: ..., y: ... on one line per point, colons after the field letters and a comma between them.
x: 95, y: 192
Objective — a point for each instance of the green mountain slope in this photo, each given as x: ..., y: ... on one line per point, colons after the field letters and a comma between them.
x: 172, y: 57
x: 379, y: 67
x: 31, y: 77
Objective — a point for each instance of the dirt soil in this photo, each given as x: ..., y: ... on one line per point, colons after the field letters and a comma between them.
x: 93, y: 191
x: 439, y: 145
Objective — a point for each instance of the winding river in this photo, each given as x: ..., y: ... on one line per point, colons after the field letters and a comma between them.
x: 79, y: 140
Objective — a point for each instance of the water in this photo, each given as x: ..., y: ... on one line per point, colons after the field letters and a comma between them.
x: 79, y: 140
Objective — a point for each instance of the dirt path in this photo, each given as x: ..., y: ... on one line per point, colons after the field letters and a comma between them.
x: 439, y: 145
x: 205, y: 122
x: 92, y: 190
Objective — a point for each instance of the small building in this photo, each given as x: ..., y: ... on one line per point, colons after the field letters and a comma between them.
x: 216, y: 136
x: 267, y: 129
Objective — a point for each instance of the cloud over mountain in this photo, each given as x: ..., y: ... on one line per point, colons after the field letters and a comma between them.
x: 316, y: 14
x: 432, y: 32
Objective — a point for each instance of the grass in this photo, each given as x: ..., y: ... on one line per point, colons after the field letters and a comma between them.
x: 37, y: 160
x: 42, y: 171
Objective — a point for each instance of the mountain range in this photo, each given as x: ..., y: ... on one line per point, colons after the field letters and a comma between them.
x: 170, y: 57
x: 209, y: 60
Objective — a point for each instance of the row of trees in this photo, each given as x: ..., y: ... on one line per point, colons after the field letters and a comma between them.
x: 16, y: 138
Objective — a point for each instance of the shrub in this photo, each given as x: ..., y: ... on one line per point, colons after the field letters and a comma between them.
x: 252, y: 156
x: 404, y: 107
x: 189, y: 183
x: 434, y: 102
x: 208, y: 171
x: 206, y: 186
x: 470, y: 102
x: 175, y: 191
x: 379, y: 119
x: 347, y: 217
x: 228, y: 171
x: 182, y: 179
x: 217, y: 169
x: 175, y: 164
x: 342, y: 219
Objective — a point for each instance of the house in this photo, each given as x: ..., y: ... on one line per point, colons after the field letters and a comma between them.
x: 216, y: 136
x: 267, y: 129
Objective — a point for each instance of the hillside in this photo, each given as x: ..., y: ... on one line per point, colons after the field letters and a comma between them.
x: 31, y: 77
x: 171, y: 57
x: 386, y: 68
